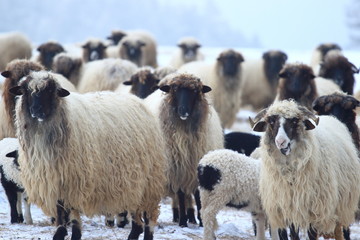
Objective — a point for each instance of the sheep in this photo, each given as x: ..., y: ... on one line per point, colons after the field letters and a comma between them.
x: 47, y: 52
x: 188, y: 51
x: 260, y: 80
x: 309, y: 172
x: 338, y: 69
x: 13, y: 45
x: 224, y: 77
x: 139, y: 47
x: 11, y: 182
x: 241, y: 142
x: 320, y: 52
x: 227, y: 178
x: 105, y: 74
x: 69, y: 66
x: 93, y: 49
x: 142, y: 83
x: 191, y: 128
x: 118, y: 165
x: 116, y: 36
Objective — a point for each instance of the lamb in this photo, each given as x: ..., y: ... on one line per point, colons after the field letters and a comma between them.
x: 314, y: 188
x: 320, y: 52
x: 47, y: 52
x: 191, y: 128
x: 13, y: 45
x: 93, y: 49
x: 338, y: 69
x: 224, y: 77
x: 105, y: 74
x: 69, y: 66
x: 188, y: 51
x: 260, y: 80
x: 11, y: 182
x: 119, y: 165
x: 221, y: 185
x: 139, y: 47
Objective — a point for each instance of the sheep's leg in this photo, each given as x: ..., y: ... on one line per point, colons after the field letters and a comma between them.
x: 338, y: 232
x: 150, y: 222
x: 175, y: 208
x: 190, y: 211
x: 76, y: 225
x: 259, y: 219
x: 28, y: 218
x: 294, y: 233
x: 210, y: 208
x: 198, y: 206
x: 61, y: 231
x: 121, y: 219
x: 13, y: 199
x: 109, y: 220
x: 282, y: 234
x: 20, y: 218
x: 182, y: 213
x: 136, y: 226
x: 312, y: 233
x: 346, y: 232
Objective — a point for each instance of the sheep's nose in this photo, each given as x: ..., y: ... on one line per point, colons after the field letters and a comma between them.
x: 281, y: 142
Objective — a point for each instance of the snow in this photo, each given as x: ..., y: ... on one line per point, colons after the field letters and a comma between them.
x: 233, y: 224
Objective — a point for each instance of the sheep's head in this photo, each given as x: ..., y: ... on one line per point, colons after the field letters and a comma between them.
x: 131, y: 49
x: 143, y: 83
x: 324, y: 48
x: 189, y: 47
x: 230, y: 61
x: 337, y: 68
x: 284, y: 122
x: 66, y: 65
x: 273, y: 63
x: 47, y: 53
x: 93, y: 50
x: 116, y: 36
x: 185, y: 91
x: 40, y: 93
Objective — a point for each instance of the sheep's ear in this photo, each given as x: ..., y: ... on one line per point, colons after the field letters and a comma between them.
x: 205, y: 89
x: 61, y: 92
x: 12, y: 154
x: 165, y: 88
x: 283, y: 74
x: 17, y: 90
x: 86, y: 45
x: 127, y: 83
x: 6, y: 74
x: 198, y: 45
x: 309, y: 125
x: 181, y: 45
x: 260, y: 126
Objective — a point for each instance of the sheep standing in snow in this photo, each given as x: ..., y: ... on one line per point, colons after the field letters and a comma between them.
x: 69, y: 66
x: 225, y: 79
x: 105, y: 74
x: 260, y: 79
x: 191, y: 128
x: 13, y: 45
x: 320, y: 52
x: 93, y: 49
x: 119, y: 163
x: 47, y: 52
x: 188, y: 52
x: 221, y: 185
x: 11, y: 182
x: 314, y: 188
x: 140, y: 48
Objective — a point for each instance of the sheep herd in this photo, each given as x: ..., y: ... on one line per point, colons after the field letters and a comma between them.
x: 111, y: 132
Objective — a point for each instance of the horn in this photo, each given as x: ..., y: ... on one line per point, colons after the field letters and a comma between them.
x: 257, y: 118
x: 309, y: 114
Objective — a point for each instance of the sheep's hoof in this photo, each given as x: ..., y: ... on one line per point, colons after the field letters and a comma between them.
x: 60, y: 234
x: 136, y: 230
x: 20, y: 218
x: 191, y: 215
x: 110, y: 223
x: 123, y: 223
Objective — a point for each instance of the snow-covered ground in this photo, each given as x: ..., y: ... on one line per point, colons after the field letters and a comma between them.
x: 233, y: 224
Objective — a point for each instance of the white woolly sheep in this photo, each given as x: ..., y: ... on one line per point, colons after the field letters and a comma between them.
x: 119, y: 165
x: 225, y: 79
x: 309, y: 175
x: 227, y: 178
x: 320, y: 52
x: 69, y: 66
x: 93, y: 49
x: 260, y: 79
x: 105, y: 74
x: 140, y: 48
x: 47, y: 52
x: 13, y: 45
x: 191, y: 128
x: 188, y: 51
x: 11, y: 182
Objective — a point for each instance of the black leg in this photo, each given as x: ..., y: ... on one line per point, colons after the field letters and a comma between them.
x: 346, y: 232
x: 123, y: 219
x: 182, y: 213
x: 60, y: 233
x: 76, y: 230
x: 12, y: 198
x: 149, y: 234
x: 175, y: 214
x: 198, y: 206
x: 136, y: 230
x: 294, y: 233
x: 191, y: 215
x: 312, y: 233
x: 254, y: 227
x: 283, y: 234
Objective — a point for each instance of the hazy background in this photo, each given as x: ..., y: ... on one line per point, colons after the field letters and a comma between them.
x: 282, y: 24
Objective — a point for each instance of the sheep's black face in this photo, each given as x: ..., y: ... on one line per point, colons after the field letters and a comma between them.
x: 133, y: 51
x: 189, y: 52
x: 116, y: 37
x: 273, y: 63
x: 298, y: 81
x: 230, y: 65
x: 48, y: 52
x: 143, y: 88
x: 184, y: 101
x: 95, y: 52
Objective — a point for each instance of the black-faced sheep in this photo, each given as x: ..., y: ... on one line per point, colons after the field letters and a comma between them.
x: 105, y: 74
x: 227, y: 178
x: 320, y: 52
x: 260, y: 79
x: 13, y: 45
x: 225, y: 79
x: 119, y: 165
x: 188, y: 52
x: 11, y: 182
x: 140, y: 48
x: 241, y: 142
x: 191, y: 128
x: 47, y: 52
x: 338, y: 69
x: 116, y: 36
x: 309, y: 174
x: 93, y: 49
x: 69, y: 66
